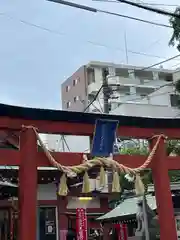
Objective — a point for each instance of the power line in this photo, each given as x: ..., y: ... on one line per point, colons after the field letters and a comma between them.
x: 145, y: 3
x: 136, y: 19
x: 94, y: 99
x: 160, y: 4
x: 151, y: 9
x: 159, y: 63
x: 86, y: 41
x: 100, y: 104
x: 99, y: 110
x: 95, y: 10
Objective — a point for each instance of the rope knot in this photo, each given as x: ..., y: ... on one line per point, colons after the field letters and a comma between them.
x: 30, y: 127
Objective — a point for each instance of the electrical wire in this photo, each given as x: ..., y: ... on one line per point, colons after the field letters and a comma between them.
x: 144, y: 3
x: 94, y: 99
x: 100, y: 111
x: 100, y: 105
x: 136, y: 19
x: 159, y: 4
x: 151, y: 9
x: 159, y: 63
x: 86, y: 41
x: 95, y: 10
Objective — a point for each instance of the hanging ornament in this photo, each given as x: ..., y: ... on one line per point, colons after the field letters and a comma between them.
x: 102, y: 180
x: 63, y: 188
x: 86, y: 183
x: 116, y: 183
x: 139, y: 186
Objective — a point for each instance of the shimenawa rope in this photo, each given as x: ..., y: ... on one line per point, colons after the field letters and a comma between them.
x: 72, y: 171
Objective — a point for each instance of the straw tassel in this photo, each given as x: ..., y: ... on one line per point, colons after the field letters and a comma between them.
x: 86, y: 183
x: 63, y: 188
x: 139, y: 186
x: 116, y: 183
x: 102, y: 180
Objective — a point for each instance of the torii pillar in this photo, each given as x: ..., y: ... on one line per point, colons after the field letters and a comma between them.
x: 163, y: 193
x: 27, y: 185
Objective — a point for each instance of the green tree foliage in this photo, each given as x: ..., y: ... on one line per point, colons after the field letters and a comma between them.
x: 134, y: 151
x: 175, y: 38
x: 172, y: 148
x: 175, y: 23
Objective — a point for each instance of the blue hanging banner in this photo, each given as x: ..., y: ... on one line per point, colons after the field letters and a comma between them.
x: 104, y: 138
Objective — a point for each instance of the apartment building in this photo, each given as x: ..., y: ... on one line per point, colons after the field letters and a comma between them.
x: 130, y: 83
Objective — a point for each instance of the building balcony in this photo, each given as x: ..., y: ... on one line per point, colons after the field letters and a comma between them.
x: 140, y: 82
x: 123, y: 80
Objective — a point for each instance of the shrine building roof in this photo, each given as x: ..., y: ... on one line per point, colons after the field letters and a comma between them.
x: 127, y: 208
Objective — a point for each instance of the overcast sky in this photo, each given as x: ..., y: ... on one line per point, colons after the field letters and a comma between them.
x: 42, y: 43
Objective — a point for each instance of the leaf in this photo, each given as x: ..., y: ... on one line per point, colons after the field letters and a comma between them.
x: 175, y: 24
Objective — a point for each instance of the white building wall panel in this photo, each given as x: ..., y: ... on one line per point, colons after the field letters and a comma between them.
x: 47, y: 192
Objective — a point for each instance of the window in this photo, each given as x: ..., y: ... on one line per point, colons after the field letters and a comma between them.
x: 67, y: 88
x: 68, y: 104
x: 78, y: 79
x: 169, y: 78
x: 143, y: 95
x: 90, y: 75
x: 175, y: 100
x: 76, y: 98
x: 75, y: 81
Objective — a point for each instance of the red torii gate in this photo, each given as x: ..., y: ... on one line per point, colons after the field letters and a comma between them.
x: 73, y: 123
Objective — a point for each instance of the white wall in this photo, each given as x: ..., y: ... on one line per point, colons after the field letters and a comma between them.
x: 146, y: 110
x: 47, y: 192
x: 98, y: 75
x: 161, y: 96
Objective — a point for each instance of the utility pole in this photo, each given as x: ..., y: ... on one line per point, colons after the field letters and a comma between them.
x: 106, y: 94
x: 105, y: 74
